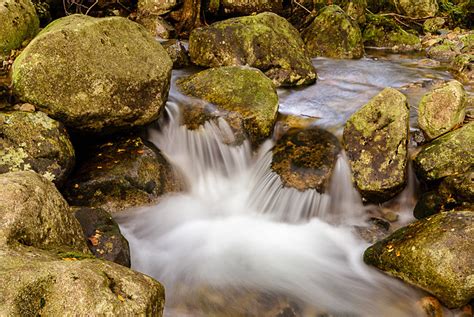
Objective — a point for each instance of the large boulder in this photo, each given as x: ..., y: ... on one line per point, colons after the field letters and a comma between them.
x: 450, y: 154
x: 463, y: 68
x: 417, y: 8
x: 33, y: 141
x: 244, y: 96
x: 37, y: 283
x: 442, y: 109
x: 94, y: 74
x: 244, y: 7
x: 265, y: 41
x: 123, y: 173
x: 156, y: 7
x: 305, y: 159
x: 18, y: 22
x: 375, y: 138
x: 383, y: 32
x: 435, y: 254
x: 334, y: 34
x: 34, y: 213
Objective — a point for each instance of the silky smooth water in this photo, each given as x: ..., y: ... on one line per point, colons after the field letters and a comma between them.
x: 236, y: 241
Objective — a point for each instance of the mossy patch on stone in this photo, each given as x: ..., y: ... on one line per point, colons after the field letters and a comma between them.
x: 417, y: 8
x: 265, y: 41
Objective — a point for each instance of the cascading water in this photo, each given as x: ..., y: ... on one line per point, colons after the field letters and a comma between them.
x: 237, y: 231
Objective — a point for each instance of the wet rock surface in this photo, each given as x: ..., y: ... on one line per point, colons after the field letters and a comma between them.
x: 33, y: 141
x: 265, y: 41
x: 123, y: 82
x: 177, y: 52
x: 123, y: 173
x: 435, y: 254
x: 305, y: 159
x: 375, y: 139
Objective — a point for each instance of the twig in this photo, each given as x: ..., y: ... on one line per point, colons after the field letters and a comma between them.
x: 88, y: 10
x: 302, y: 6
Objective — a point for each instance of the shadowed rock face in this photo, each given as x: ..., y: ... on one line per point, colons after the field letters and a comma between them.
x: 94, y: 75
x: 334, y: 34
x: 375, y: 138
x: 442, y: 109
x: 265, y: 41
x: 305, y: 159
x: 244, y: 96
x: 435, y: 254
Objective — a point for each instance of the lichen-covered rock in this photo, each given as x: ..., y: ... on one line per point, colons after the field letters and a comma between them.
x: 305, y: 159
x: 157, y: 26
x: 442, y: 109
x: 33, y: 141
x: 18, y: 22
x: 103, y: 235
x: 463, y: 68
x: 244, y: 7
x: 39, y: 283
x: 94, y: 75
x: 244, y: 94
x: 334, y: 34
x: 417, y: 8
x: 177, y: 52
x: 382, y: 32
x: 120, y: 174
x: 433, y: 24
x: 156, y: 7
x: 444, y: 51
x: 34, y: 213
x: 375, y: 138
x: 450, y: 154
x: 435, y: 254
x: 265, y: 41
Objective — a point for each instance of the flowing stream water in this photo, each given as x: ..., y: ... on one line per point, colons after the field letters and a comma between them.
x: 238, y: 243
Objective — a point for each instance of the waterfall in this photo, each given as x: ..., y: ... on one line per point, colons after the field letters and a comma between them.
x: 237, y: 231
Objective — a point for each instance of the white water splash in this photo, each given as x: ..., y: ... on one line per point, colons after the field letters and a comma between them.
x: 237, y: 228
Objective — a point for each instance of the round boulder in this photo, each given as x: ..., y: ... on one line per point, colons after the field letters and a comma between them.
x: 305, y: 159
x: 94, y: 74
x: 33, y: 141
x: 376, y: 138
x: 417, y: 8
x: 334, y: 34
x: 435, y: 254
x: 442, y: 109
x: 265, y: 41
x: 18, y: 22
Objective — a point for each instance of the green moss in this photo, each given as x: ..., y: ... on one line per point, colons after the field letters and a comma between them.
x: 75, y: 255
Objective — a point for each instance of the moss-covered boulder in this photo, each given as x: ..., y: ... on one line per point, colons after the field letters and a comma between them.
x: 305, y: 159
x: 156, y: 7
x: 450, y: 154
x: 334, y: 34
x: 94, y: 75
x: 265, y: 41
x: 18, y: 22
x: 375, y: 139
x: 432, y: 25
x: 244, y: 7
x: 33, y: 141
x: 444, y: 51
x: 244, y: 96
x: 383, y: 32
x: 463, y: 68
x: 435, y: 254
x: 417, y: 8
x: 157, y: 26
x: 442, y: 109
x: 177, y: 52
x: 103, y: 235
x: 38, y: 283
x: 120, y: 174
x: 34, y: 213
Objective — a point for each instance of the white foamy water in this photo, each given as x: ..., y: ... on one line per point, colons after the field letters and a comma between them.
x: 236, y: 228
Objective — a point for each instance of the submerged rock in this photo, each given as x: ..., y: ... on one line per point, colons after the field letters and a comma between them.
x: 244, y: 96
x: 121, y: 83
x: 265, y: 41
x: 442, y: 109
x: 435, y: 254
x: 375, y: 138
x: 18, y: 22
x: 35, y: 214
x: 38, y: 283
x: 103, y: 235
x: 120, y: 174
x: 381, y: 31
x: 33, y: 141
x: 450, y: 154
x: 333, y: 34
x: 417, y: 8
x: 305, y: 159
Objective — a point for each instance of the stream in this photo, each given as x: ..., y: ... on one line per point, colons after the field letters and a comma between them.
x: 238, y: 243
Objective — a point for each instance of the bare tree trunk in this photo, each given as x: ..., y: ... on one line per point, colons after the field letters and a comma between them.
x: 190, y: 17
